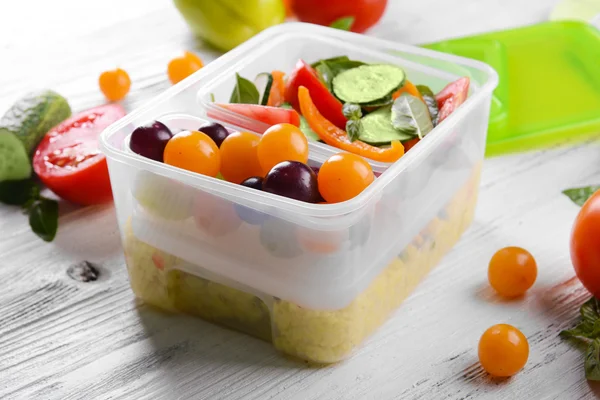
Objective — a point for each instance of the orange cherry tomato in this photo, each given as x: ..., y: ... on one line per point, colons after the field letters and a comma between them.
x: 503, y: 350
x: 585, y: 245
x: 344, y: 176
x: 114, y: 84
x: 239, y: 157
x: 193, y: 151
x: 512, y: 271
x: 181, y: 67
x: 282, y: 142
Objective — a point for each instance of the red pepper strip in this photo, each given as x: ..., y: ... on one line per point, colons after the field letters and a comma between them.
x: 334, y: 136
x: 327, y: 104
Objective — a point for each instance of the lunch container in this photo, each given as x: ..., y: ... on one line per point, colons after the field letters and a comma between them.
x: 314, y: 279
x: 529, y: 111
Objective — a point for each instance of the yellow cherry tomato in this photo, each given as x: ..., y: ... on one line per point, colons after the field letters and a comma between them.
x: 180, y: 68
x: 240, y: 157
x: 503, y: 350
x: 344, y: 176
x: 282, y: 142
x: 193, y: 151
x: 114, y: 84
x: 512, y: 271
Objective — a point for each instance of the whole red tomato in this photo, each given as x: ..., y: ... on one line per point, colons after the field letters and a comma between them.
x: 585, y: 245
x: 324, y: 12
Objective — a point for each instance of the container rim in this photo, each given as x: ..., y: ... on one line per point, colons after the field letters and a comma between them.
x: 298, y: 207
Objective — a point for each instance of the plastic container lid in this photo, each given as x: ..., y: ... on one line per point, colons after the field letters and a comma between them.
x: 549, y: 83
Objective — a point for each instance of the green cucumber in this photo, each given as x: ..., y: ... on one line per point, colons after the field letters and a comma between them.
x: 23, y: 126
x: 384, y: 101
x: 330, y: 68
x: 263, y: 83
x: 367, y: 83
x: 377, y: 128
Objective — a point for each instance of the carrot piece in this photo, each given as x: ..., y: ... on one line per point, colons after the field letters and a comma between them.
x: 409, y: 88
x: 277, y: 93
x: 334, y: 136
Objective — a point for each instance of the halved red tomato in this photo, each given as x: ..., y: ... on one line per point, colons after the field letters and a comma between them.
x: 326, y: 103
x: 265, y: 114
x: 68, y: 161
x: 451, y: 97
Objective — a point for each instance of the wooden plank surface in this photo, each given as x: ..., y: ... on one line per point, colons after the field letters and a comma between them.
x: 61, y: 339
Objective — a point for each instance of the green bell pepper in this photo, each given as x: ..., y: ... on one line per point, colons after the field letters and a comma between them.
x: 228, y: 23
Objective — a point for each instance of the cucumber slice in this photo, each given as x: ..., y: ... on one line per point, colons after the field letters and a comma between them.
x: 384, y: 101
x: 377, y: 128
x: 263, y: 83
x: 367, y: 83
x: 330, y: 68
x: 23, y: 126
x: 409, y: 113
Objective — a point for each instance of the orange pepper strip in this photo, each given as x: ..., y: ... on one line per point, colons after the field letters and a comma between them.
x: 277, y: 93
x: 334, y: 136
x: 407, y: 88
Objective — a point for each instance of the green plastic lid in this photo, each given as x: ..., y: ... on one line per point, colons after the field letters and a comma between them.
x: 549, y: 89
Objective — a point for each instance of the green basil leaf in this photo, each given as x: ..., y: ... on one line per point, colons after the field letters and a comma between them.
x: 592, y: 361
x: 589, y: 327
x: 344, y: 23
x: 584, y: 331
x: 590, y: 310
x: 43, y: 218
x: 352, y: 111
x: 325, y: 73
x: 410, y: 113
x: 354, y: 129
x: 425, y: 90
x: 580, y: 195
x: 17, y: 193
x: 431, y: 102
x: 332, y: 59
x: 341, y: 66
x: 244, y: 92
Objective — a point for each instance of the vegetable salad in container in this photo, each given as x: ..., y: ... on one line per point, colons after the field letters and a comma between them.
x: 300, y: 187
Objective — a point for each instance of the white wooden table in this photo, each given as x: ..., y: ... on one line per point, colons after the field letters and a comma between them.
x: 61, y: 339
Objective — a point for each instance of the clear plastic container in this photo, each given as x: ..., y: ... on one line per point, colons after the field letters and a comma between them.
x: 314, y: 279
